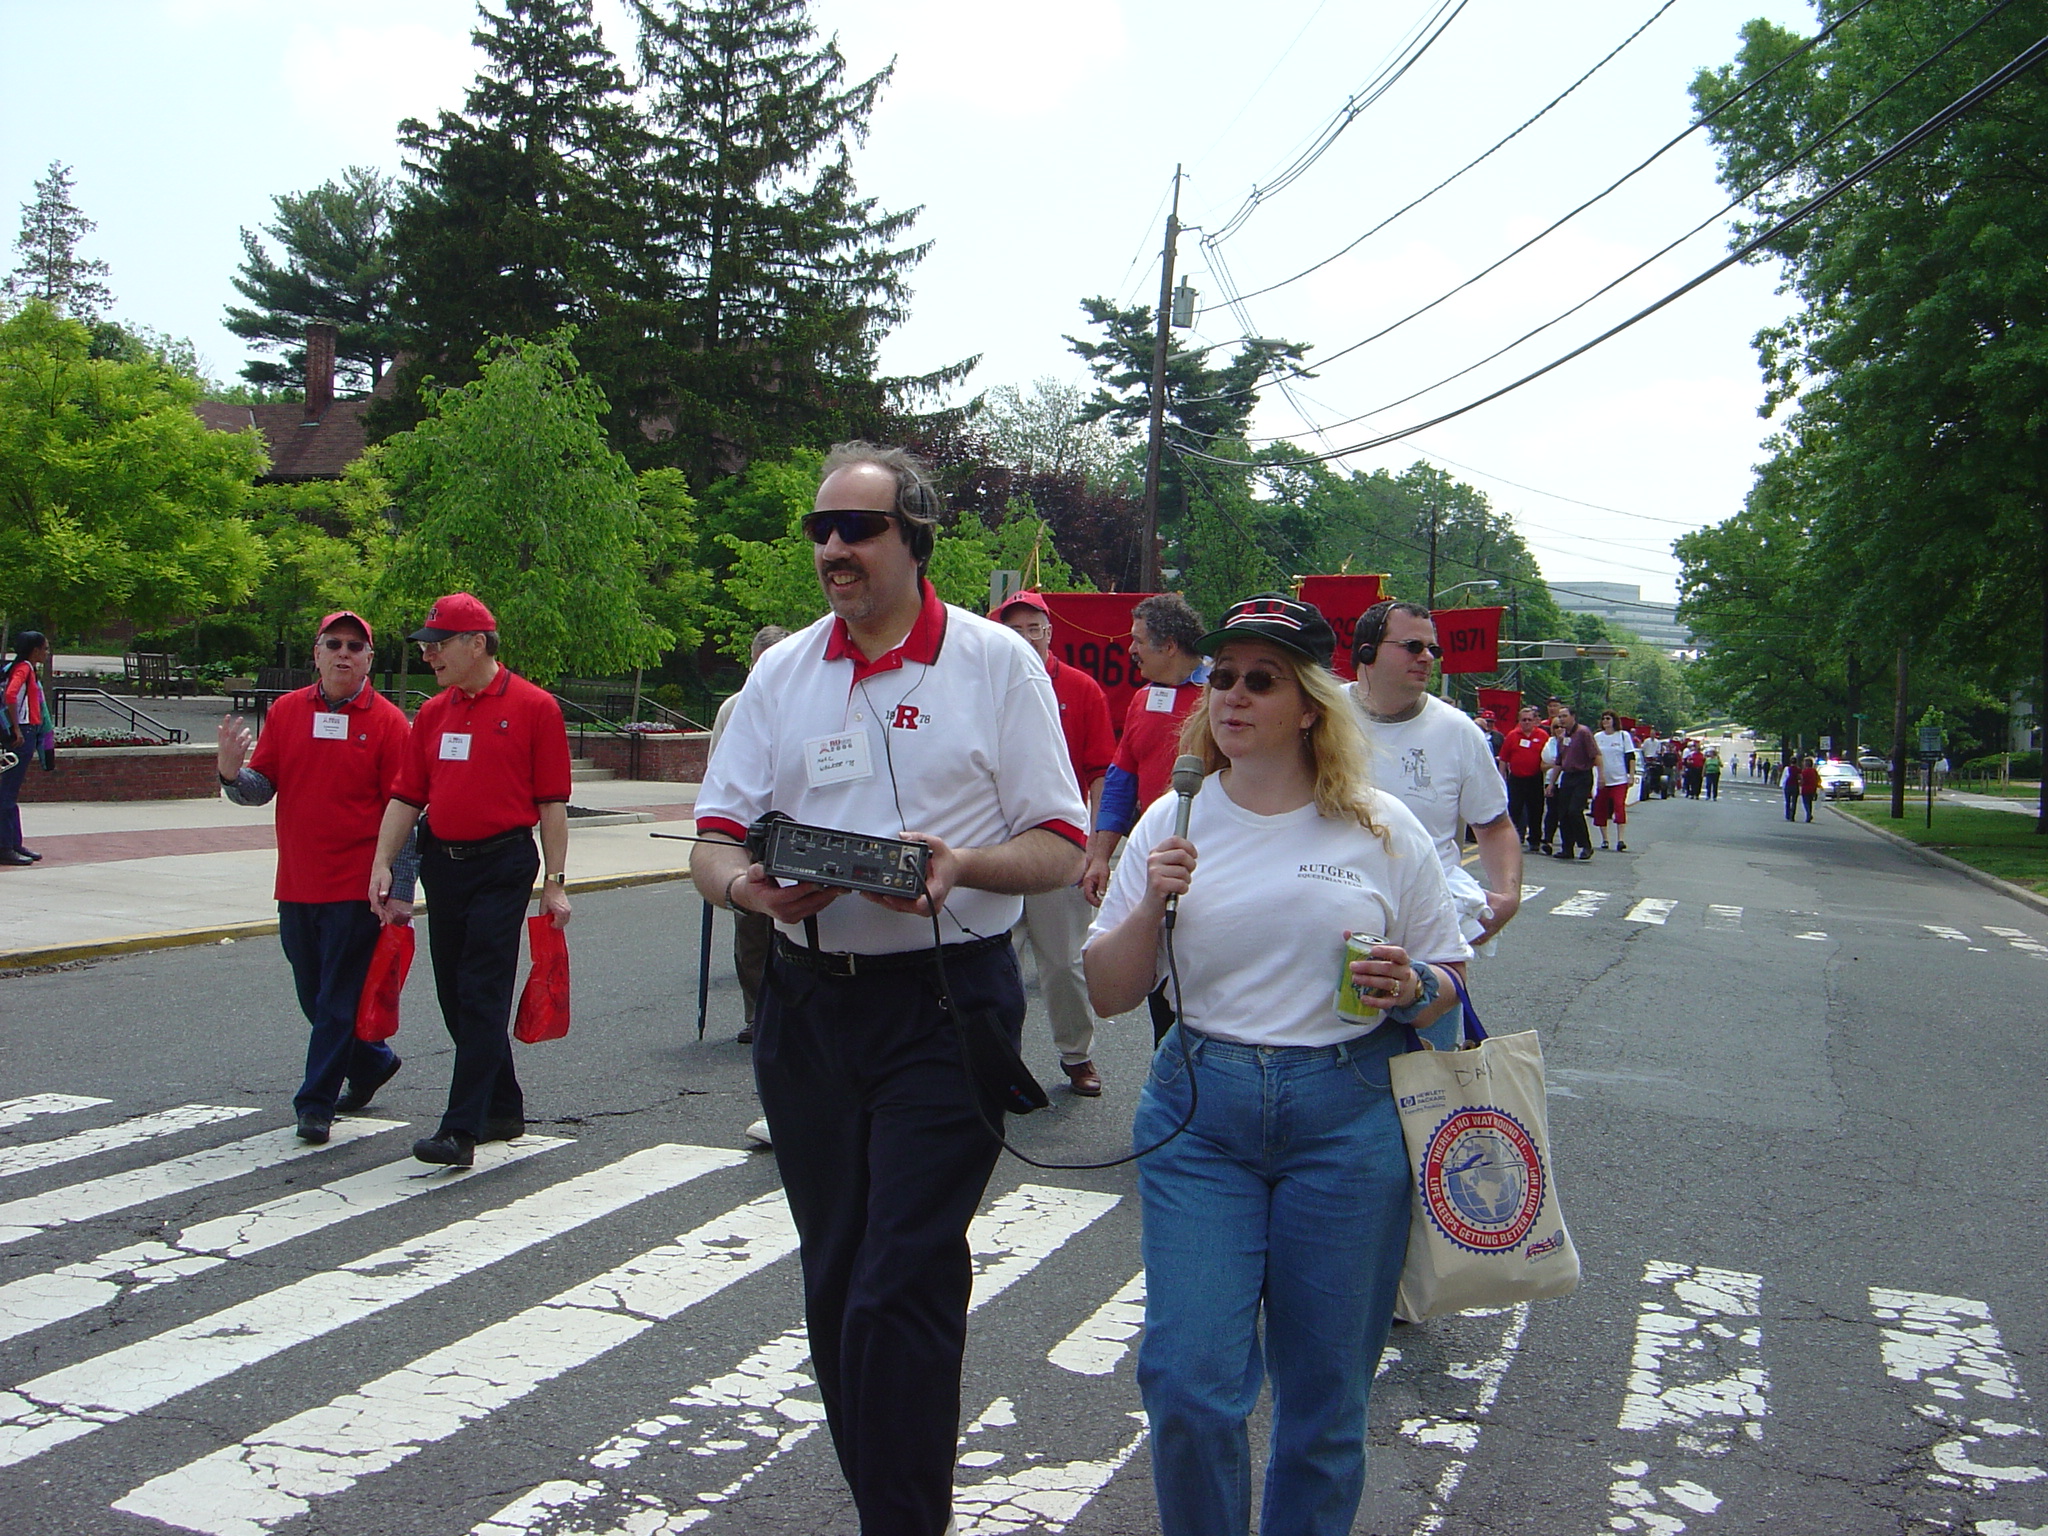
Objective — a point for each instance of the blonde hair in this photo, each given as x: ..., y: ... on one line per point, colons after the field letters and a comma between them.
x: 1334, y: 744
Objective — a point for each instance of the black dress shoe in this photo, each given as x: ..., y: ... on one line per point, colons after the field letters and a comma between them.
x: 502, y: 1130
x: 357, y: 1098
x: 33, y: 856
x: 453, y: 1149
x: 745, y: 1036
x: 14, y: 856
x: 313, y: 1129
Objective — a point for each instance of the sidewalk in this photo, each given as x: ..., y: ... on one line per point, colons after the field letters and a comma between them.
x: 146, y: 874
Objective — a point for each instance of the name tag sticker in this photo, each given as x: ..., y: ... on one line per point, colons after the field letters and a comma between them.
x: 455, y: 746
x: 841, y: 759
x: 328, y: 727
x: 1159, y: 701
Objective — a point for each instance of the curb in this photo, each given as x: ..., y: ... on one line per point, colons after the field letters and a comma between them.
x: 2018, y: 893
x: 178, y: 938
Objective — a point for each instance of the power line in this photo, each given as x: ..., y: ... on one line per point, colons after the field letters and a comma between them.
x: 1553, y: 495
x: 1499, y: 144
x: 1285, y: 53
x: 1991, y: 84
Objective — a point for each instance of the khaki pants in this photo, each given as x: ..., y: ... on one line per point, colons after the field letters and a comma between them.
x: 1056, y: 923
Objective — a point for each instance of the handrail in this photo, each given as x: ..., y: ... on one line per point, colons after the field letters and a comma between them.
x: 663, y: 712
x: 138, y: 722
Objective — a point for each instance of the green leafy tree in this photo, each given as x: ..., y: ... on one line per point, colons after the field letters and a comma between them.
x: 114, y: 498
x: 508, y: 490
x: 679, y: 586
x: 51, y: 269
x: 1043, y: 433
x: 320, y: 540
x: 337, y: 266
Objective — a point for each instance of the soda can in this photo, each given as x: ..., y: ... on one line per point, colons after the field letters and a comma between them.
x: 1351, y: 1000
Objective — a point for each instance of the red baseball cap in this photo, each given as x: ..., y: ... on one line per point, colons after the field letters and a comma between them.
x: 459, y: 613
x: 1028, y: 598
x: 347, y: 613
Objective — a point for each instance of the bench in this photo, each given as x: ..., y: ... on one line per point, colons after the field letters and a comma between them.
x: 157, y: 674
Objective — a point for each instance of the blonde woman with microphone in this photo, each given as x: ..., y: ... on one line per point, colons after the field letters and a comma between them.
x: 1275, y: 1225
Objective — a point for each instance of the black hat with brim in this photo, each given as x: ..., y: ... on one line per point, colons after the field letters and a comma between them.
x: 1285, y: 621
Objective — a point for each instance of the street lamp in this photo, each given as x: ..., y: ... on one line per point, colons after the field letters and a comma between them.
x: 1444, y: 677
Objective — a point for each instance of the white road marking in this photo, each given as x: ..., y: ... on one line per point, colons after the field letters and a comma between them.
x: 107, y: 1138
x: 1585, y: 904
x: 1531, y: 892
x: 35, y: 1301
x: 1816, y: 937
x: 1650, y: 909
x: 1461, y: 1433
x: 161, y: 1181
x: 1949, y: 1347
x: 767, y: 1405
x: 1943, y: 931
x: 1099, y: 1344
x: 1719, y: 916
x: 14, y: 1111
x: 2020, y: 940
x: 1041, y: 1496
x: 73, y: 1402
x: 275, y: 1474
x: 1696, y: 1376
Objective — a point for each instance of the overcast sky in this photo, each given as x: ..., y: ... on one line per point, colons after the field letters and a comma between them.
x: 1040, y: 142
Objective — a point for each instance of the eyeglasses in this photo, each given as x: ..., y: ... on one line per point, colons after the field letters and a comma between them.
x: 1258, y: 680
x: 353, y: 647
x: 1415, y: 647
x: 852, y: 526
x: 435, y: 645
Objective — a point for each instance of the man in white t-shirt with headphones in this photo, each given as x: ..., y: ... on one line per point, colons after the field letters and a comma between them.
x: 1437, y: 762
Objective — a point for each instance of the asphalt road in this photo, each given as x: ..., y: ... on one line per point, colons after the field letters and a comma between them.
x: 1796, y: 1111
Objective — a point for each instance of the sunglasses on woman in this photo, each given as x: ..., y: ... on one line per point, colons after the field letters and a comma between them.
x: 1416, y: 647
x: 1257, y: 680
x: 853, y: 527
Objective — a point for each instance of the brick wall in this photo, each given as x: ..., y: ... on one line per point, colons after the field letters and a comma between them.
x: 673, y: 758
x: 125, y: 773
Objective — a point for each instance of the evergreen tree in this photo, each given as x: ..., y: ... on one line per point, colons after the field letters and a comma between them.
x: 337, y: 266
x: 51, y: 268
x: 771, y: 280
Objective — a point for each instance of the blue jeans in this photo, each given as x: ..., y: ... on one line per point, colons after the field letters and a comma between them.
x: 1287, y: 1196
x: 329, y: 944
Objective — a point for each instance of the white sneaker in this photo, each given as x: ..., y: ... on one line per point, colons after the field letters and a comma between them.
x: 757, y: 1133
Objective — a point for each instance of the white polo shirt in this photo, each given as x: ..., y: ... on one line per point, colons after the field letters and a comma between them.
x: 956, y: 732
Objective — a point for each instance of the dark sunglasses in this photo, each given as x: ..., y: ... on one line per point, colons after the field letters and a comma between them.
x: 853, y: 527
x: 1258, y: 680
x: 353, y: 647
x: 1415, y: 647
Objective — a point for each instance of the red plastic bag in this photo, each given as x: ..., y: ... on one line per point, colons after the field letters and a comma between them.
x: 544, y: 1003
x: 390, y: 962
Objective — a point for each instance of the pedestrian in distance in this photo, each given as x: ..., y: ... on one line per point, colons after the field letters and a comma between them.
x: 1789, y: 782
x: 894, y: 716
x: 1521, y: 764
x: 1809, y: 783
x: 1614, y: 774
x: 1553, y: 806
x: 25, y: 735
x: 1274, y: 1230
x: 1712, y: 771
x: 329, y: 756
x: 752, y: 932
x: 1695, y: 769
x: 1056, y: 922
x: 487, y: 762
x: 1578, y: 758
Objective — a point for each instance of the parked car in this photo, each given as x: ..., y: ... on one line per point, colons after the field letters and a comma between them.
x: 1840, y: 780
x: 1870, y: 762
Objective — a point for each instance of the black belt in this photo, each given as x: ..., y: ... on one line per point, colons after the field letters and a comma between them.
x: 486, y: 845
x: 838, y: 962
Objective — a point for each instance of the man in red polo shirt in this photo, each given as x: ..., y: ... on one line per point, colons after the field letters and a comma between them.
x: 1057, y: 921
x: 329, y: 754
x: 487, y: 761
x: 1521, y: 761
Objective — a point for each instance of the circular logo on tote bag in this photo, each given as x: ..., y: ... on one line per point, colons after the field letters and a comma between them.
x: 1482, y: 1181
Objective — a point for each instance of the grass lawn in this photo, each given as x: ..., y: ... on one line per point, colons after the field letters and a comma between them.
x: 2016, y: 789
x: 1997, y: 842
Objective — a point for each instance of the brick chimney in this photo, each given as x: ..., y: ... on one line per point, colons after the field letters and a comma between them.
x: 320, y: 336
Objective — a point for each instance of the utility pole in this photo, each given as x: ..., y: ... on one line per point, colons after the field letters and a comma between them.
x: 1155, y: 442
x: 1432, y: 554
x: 1899, y: 743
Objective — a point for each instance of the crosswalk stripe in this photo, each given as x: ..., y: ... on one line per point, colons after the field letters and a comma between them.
x: 1461, y: 1430
x: 14, y: 1111
x: 1722, y: 916
x: 275, y: 1474
x: 35, y: 1301
x: 1585, y: 904
x: 1103, y: 1338
x: 762, y: 1407
x: 1950, y: 1348
x: 75, y: 1401
x: 1651, y: 909
x: 1039, y: 1495
x: 1531, y: 892
x: 106, y: 1138
x: 1944, y: 931
x: 34, y: 1214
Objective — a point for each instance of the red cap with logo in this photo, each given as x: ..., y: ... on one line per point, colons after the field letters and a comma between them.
x: 1027, y: 598
x: 459, y: 613
x: 347, y: 613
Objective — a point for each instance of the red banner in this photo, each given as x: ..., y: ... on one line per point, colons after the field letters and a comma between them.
x: 1092, y: 631
x: 1505, y: 704
x: 1470, y: 638
x: 1342, y: 599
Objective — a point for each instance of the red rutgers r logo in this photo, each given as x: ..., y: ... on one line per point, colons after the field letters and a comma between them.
x: 907, y: 717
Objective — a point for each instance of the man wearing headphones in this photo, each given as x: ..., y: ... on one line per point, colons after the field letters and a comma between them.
x: 1435, y: 759
x: 893, y: 716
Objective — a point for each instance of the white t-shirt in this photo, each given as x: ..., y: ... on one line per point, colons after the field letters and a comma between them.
x: 1260, y: 937
x: 968, y: 748
x: 1440, y: 766
x: 1614, y: 747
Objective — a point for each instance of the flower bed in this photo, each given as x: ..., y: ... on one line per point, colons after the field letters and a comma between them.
x: 75, y: 736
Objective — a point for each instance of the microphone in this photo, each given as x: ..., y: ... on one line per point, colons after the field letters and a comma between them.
x: 1187, y: 782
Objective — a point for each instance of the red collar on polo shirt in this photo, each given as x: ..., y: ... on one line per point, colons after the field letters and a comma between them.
x: 498, y: 684
x: 920, y: 645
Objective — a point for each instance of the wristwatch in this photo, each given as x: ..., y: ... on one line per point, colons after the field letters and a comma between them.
x: 558, y: 879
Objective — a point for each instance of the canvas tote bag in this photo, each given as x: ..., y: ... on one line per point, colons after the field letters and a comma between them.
x: 1486, y: 1228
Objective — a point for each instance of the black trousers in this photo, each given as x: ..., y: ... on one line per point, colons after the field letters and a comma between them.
x: 329, y: 944
x: 1791, y: 798
x: 1574, y: 789
x: 884, y: 1160
x: 475, y: 908
x: 1525, y: 805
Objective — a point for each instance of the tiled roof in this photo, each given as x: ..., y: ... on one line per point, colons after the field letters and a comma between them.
x: 301, y: 449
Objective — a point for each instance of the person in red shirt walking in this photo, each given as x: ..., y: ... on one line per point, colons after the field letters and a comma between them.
x: 1521, y: 763
x: 1057, y: 921
x: 24, y: 731
x: 329, y: 756
x: 487, y: 761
